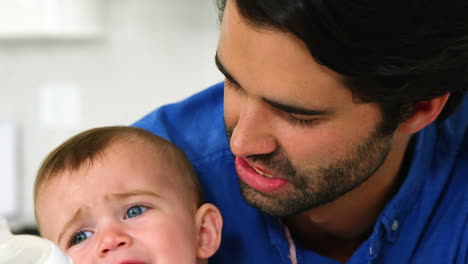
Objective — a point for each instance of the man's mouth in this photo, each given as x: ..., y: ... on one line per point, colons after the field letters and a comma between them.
x: 257, y: 178
x: 262, y: 173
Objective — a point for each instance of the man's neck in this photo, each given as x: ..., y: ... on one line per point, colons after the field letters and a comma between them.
x: 337, y: 229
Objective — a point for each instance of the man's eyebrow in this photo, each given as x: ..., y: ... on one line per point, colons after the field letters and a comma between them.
x: 283, y: 107
x: 223, y: 70
x: 67, y: 225
x: 297, y: 110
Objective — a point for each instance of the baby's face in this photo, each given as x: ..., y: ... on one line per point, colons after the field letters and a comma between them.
x: 124, y: 208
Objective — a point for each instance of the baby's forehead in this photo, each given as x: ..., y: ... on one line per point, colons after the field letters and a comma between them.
x: 162, y: 161
x: 158, y: 160
x: 86, y: 179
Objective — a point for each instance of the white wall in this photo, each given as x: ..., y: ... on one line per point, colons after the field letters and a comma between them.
x: 152, y: 52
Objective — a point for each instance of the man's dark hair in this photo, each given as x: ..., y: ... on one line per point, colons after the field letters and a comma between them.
x: 393, y: 53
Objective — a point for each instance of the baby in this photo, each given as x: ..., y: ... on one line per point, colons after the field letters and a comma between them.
x: 122, y: 195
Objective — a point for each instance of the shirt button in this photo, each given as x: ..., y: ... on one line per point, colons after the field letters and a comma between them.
x: 395, y: 225
x: 371, y: 251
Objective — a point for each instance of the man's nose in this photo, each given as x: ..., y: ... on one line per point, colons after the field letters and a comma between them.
x: 111, y: 239
x: 253, y: 134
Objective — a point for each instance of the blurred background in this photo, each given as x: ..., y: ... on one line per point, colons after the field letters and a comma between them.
x: 69, y: 65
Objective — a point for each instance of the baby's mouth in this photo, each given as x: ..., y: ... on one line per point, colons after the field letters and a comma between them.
x: 132, y: 262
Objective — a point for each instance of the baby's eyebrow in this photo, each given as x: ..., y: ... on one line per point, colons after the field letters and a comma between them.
x: 118, y: 196
x: 67, y: 225
x: 124, y: 195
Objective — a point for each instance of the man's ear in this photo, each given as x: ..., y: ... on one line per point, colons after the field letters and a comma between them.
x: 424, y: 113
x: 209, y: 226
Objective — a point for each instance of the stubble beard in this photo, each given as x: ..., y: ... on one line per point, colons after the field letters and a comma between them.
x: 314, y: 187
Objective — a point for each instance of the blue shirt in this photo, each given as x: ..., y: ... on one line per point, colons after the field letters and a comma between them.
x: 425, y: 222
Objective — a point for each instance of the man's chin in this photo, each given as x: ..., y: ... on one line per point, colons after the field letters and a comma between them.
x: 283, y: 203
x: 274, y: 204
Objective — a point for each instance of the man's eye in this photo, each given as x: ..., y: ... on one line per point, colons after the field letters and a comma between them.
x: 294, y: 120
x: 80, y: 237
x: 135, y: 211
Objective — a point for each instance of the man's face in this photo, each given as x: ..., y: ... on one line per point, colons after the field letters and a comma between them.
x: 125, y: 207
x: 299, y: 139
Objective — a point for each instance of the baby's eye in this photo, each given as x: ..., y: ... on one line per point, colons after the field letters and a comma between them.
x: 135, y: 211
x: 80, y: 237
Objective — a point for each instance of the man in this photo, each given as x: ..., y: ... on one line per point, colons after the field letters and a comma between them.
x: 342, y: 117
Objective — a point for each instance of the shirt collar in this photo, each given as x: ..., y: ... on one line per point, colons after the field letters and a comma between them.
x: 420, y: 155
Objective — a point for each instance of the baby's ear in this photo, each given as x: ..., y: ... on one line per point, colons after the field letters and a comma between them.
x: 209, y: 225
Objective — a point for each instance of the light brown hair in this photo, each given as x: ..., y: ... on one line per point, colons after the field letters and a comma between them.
x: 89, y: 145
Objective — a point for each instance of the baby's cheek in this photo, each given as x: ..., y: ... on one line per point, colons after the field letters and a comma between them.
x: 80, y: 258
